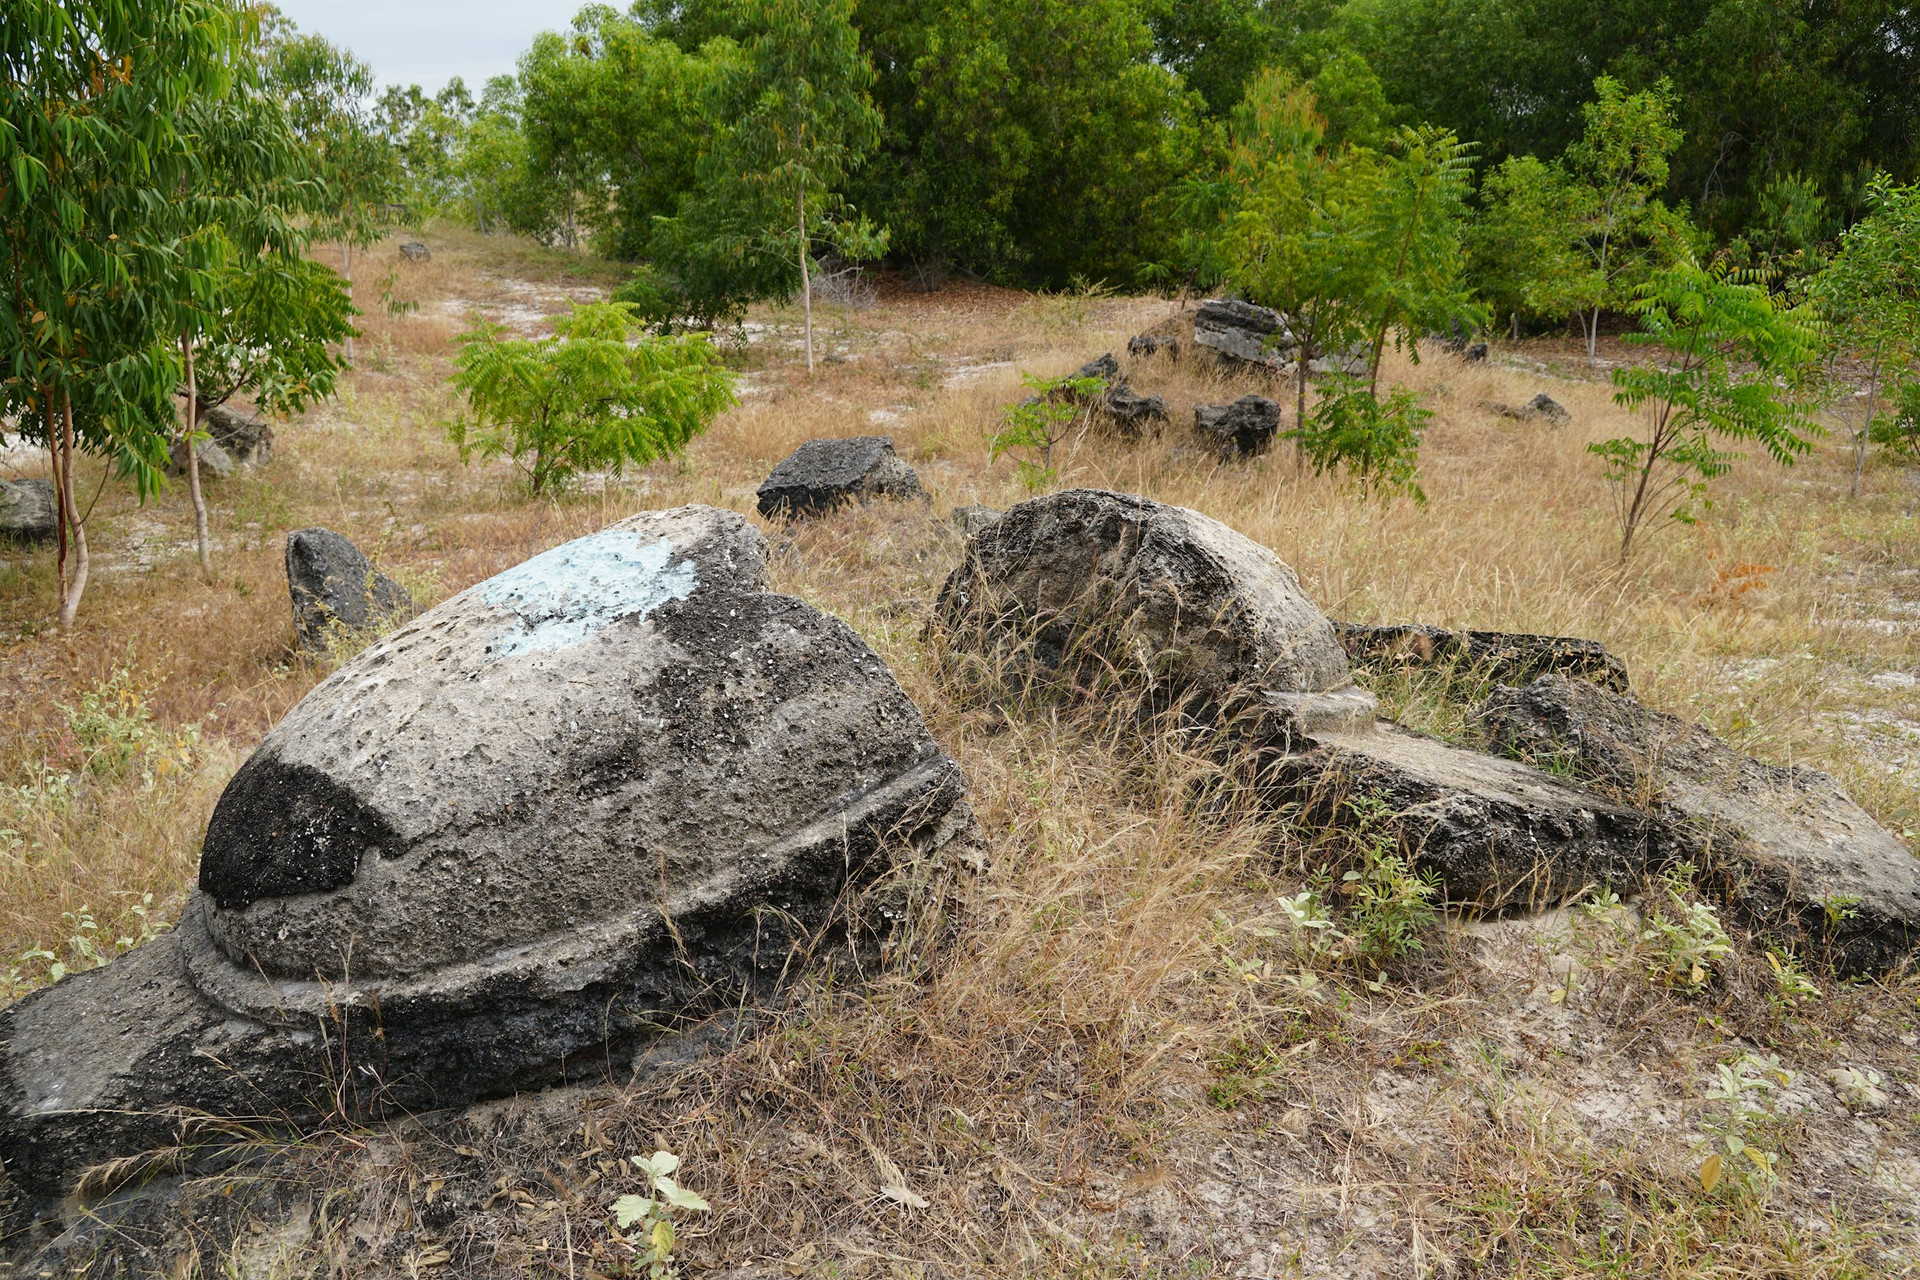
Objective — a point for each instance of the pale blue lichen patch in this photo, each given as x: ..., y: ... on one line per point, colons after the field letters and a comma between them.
x: 563, y: 596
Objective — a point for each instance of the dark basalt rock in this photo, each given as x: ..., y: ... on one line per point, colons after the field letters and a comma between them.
x: 1132, y: 413
x: 245, y: 438
x: 1104, y: 367
x: 824, y: 474
x: 215, y: 464
x: 335, y: 587
x: 1242, y: 335
x: 414, y: 251
x: 591, y: 800
x: 1507, y: 657
x: 1141, y: 346
x: 1241, y: 429
x: 1786, y: 847
x: 1541, y: 406
x: 29, y: 511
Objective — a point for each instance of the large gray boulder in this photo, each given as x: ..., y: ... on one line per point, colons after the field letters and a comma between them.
x: 1786, y: 846
x: 1243, y: 335
x: 28, y: 511
x: 245, y: 438
x: 335, y: 588
x: 824, y: 474
x: 616, y: 788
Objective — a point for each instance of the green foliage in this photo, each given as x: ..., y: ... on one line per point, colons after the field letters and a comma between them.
x: 1726, y: 361
x: 1041, y: 421
x: 1377, y: 442
x: 649, y: 1218
x: 1683, y: 939
x: 1389, y: 907
x: 1898, y: 429
x: 1734, y: 1157
x: 1523, y: 257
x: 597, y: 393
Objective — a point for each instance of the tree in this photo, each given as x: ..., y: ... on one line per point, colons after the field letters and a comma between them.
x: 1041, y: 421
x: 597, y: 393
x: 95, y: 154
x: 1521, y: 257
x: 805, y: 119
x: 1870, y: 297
x: 1725, y: 352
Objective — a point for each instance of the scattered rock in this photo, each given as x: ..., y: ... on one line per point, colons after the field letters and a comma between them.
x: 1243, y: 335
x: 1541, y: 406
x: 414, y: 251
x: 215, y: 463
x: 1502, y: 656
x: 29, y: 511
x: 823, y: 474
x: 1790, y: 851
x: 973, y: 518
x: 1144, y: 345
x: 1475, y: 353
x: 247, y: 439
x: 1105, y: 368
x: 1241, y: 429
x: 1858, y: 1088
x: 615, y: 789
x: 1132, y: 413
x: 334, y: 587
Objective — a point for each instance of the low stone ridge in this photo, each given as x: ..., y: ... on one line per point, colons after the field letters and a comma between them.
x: 1242, y: 334
x: 335, y: 587
x: 1788, y: 848
x: 1104, y: 367
x: 1241, y: 429
x: 1507, y: 657
x: 1129, y: 411
x: 29, y: 510
x: 1208, y: 612
x: 617, y: 788
x: 1541, y: 406
x: 1143, y: 345
x: 822, y: 475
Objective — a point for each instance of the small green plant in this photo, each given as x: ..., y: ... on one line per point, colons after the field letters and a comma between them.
x: 600, y: 392
x: 1041, y: 421
x: 1376, y: 441
x: 117, y: 737
x: 1389, y: 905
x: 1684, y: 939
x: 1898, y: 429
x: 649, y: 1217
x: 1790, y: 981
x: 86, y: 947
x: 1744, y: 1085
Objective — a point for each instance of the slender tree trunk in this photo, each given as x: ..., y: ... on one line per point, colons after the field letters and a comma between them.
x: 806, y: 283
x: 1300, y: 402
x: 1866, y: 429
x: 70, y: 596
x: 346, y: 273
x: 54, y: 460
x: 193, y: 464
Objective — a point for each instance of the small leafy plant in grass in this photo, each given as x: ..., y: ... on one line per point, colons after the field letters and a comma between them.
x: 1389, y: 906
x: 1035, y: 425
x: 647, y: 1220
x: 599, y: 392
x: 1735, y: 1156
x: 1683, y: 937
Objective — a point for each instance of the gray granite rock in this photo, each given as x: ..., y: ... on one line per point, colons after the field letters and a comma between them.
x: 824, y: 474
x: 335, y: 588
x: 29, y: 511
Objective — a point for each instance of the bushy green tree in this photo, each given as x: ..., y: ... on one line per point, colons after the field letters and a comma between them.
x: 499, y: 183
x: 598, y: 392
x: 1870, y: 297
x: 1522, y: 257
x: 425, y: 135
x: 1727, y: 362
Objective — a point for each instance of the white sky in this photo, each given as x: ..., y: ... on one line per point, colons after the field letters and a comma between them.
x: 427, y: 42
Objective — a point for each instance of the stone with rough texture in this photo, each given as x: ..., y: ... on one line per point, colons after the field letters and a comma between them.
x: 616, y: 788
x: 247, y: 439
x: 1130, y: 412
x: 1508, y: 657
x: 1241, y: 429
x: 1206, y: 610
x: 1786, y: 846
x: 414, y: 251
x: 1143, y: 345
x: 28, y: 510
x: 334, y: 587
x: 1541, y: 406
x: 215, y: 462
x: 1104, y: 367
x: 824, y: 474
x: 972, y: 518
x: 1243, y: 335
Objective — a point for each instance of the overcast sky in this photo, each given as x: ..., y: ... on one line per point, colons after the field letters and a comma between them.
x: 427, y: 42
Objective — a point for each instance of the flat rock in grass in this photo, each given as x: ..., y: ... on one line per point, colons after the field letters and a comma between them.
x: 1243, y: 335
x: 1503, y: 656
x: 1130, y: 412
x: 1241, y: 429
x: 1786, y: 847
x: 1205, y: 610
x: 246, y: 438
x: 28, y: 511
x: 1103, y: 367
x: 615, y: 789
x: 824, y: 474
x: 335, y: 588
x: 1144, y: 345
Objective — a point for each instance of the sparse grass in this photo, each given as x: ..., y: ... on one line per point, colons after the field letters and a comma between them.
x: 1124, y: 1058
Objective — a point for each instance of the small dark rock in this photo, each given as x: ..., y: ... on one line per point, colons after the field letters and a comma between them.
x: 247, y: 439
x: 1105, y: 368
x: 414, y: 251
x: 1130, y: 411
x: 1508, y: 657
x: 28, y: 510
x: 1241, y: 429
x: 1152, y: 344
x: 1545, y: 406
x: 215, y: 462
x: 823, y: 474
x: 334, y: 586
x: 1475, y: 353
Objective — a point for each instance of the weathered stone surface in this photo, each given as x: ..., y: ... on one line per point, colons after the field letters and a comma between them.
x: 1541, y: 406
x: 1199, y: 608
x: 1508, y: 657
x: 1241, y: 429
x: 1789, y: 849
x: 247, y: 439
x: 28, y: 510
x: 972, y: 518
x: 823, y: 474
x: 617, y: 787
x: 1129, y: 411
x: 1143, y: 345
x: 1104, y: 367
x: 215, y: 463
x: 334, y: 586
x: 1242, y: 334
x: 414, y: 251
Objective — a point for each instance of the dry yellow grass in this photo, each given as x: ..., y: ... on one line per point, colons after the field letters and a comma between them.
x: 1117, y: 1063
